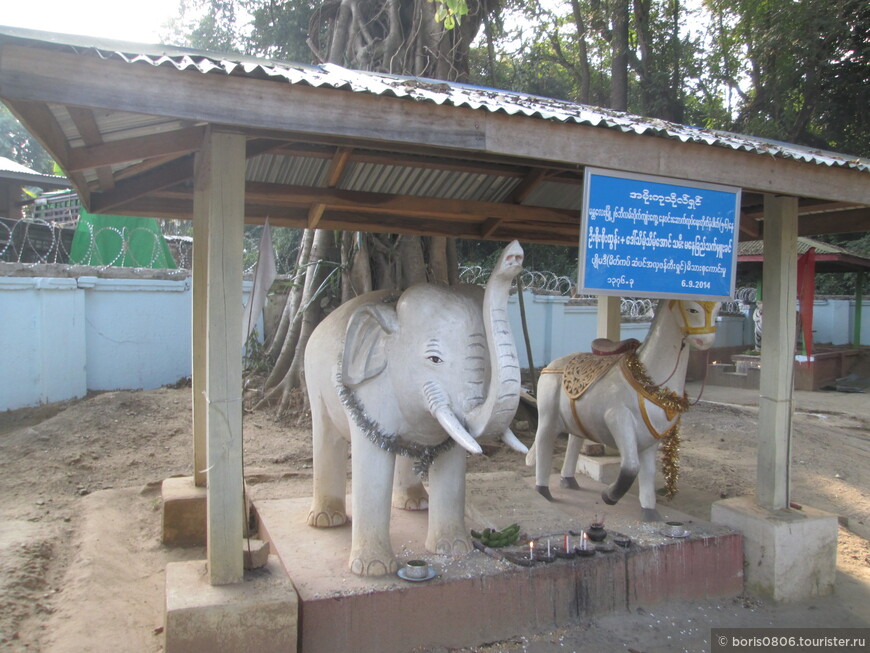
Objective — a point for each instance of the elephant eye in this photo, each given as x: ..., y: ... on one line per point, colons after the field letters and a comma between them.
x: 435, y: 359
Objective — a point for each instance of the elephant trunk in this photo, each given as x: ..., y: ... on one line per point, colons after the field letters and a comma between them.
x: 494, y: 415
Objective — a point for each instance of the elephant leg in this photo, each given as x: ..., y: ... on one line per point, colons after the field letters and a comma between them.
x: 371, y: 553
x: 447, y: 533
x: 622, y: 429
x: 408, y: 490
x: 330, y: 471
x: 647, y: 484
x: 572, y: 453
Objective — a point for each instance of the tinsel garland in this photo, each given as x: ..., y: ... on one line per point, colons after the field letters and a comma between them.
x: 672, y: 403
x: 666, y: 398
x: 671, y: 459
x: 393, y: 443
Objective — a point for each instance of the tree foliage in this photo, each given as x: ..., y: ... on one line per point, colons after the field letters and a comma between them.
x: 17, y: 144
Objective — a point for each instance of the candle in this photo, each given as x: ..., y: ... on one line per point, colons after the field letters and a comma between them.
x: 566, y: 542
x: 583, y: 540
x: 548, y: 547
x: 531, y: 549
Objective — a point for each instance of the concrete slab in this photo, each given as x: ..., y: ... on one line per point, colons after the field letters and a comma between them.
x: 791, y: 555
x: 259, y: 614
x: 603, y: 469
x: 475, y: 598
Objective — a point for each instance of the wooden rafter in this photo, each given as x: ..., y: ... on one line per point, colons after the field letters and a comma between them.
x: 87, y: 127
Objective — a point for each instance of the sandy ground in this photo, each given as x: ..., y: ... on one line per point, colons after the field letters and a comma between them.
x: 81, y: 564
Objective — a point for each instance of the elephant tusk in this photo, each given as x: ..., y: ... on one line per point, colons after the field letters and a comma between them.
x: 454, y: 428
x: 513, y: 441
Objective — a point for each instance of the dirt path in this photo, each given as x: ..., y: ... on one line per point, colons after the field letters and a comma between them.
x: 84, y: 476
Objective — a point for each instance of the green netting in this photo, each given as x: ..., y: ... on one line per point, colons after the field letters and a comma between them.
x: 121, y: 241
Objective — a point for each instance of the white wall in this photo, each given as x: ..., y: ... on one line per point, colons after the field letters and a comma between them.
x: 42, y: 341
x: 60, y: 337
x: 557, y: 328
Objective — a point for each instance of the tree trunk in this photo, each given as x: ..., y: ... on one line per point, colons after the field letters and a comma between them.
x: 619, y: 50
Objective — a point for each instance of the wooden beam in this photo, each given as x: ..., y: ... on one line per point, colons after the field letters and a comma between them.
x: 835, y: 222
x: 163, y: 177
x: 384, y: 204
x: 489, y: 227
x: 525, y: 188
x: 779, y: 280
x: 220, y: 174
x: 337, y: 166
x: 87, y: 127
x: 176, y: 142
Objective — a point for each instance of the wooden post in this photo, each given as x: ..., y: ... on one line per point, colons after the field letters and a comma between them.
x: 220, y: 193
x: 779, y: 278
x: 199, y: 316
x: 859, y: 301
x: 609, y: 317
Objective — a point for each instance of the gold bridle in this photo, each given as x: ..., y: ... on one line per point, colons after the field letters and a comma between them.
x: 709, y: 325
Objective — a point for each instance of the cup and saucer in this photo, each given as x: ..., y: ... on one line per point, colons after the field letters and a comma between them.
x: 416, y: 571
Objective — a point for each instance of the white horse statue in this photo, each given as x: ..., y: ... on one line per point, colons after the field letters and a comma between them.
x: 625, y: 395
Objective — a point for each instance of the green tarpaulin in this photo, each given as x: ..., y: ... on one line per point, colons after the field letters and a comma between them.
x: 121, y: 241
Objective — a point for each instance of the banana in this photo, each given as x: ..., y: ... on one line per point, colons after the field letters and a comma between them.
x: 496, y: 539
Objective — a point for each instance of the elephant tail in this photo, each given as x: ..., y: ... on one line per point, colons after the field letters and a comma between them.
x: 530, y: 457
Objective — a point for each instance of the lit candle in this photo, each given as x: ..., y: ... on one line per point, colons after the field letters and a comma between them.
x: 531, y: 549
x: 583, y: 540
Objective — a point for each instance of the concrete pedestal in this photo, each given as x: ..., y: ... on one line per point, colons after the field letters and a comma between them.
x: 474, y: 598
x: 603, y: 469
x: 259, y: 614
x: 790, y: 555
x: 184, y: 512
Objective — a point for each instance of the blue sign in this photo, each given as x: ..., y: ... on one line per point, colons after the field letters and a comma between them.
x: 644, y: 236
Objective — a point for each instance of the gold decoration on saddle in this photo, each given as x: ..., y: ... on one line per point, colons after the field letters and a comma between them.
x: 582, y: 370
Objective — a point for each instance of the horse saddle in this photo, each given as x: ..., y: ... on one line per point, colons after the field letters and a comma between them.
x: 608, y: 347
x: 582, y: 370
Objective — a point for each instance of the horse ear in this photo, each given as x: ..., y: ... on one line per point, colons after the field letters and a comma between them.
x: 365, y: 342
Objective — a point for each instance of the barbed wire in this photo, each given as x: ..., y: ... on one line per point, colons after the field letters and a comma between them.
x: 35, y: 241
x: 631, y: 308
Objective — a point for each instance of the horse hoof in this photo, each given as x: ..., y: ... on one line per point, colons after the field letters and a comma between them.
x: 544, y: 491
x: 569, y: 482
x: 650, y: 515
x: 606, y: 499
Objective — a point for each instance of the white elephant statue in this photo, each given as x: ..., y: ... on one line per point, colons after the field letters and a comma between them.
x: 627, y: 397
x: 409, y: 375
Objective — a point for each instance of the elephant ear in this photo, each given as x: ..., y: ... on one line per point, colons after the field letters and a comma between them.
x: 365, y: 342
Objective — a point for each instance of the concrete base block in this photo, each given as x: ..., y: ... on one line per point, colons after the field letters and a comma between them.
x: 603, y: 469
x: 256, y: 553
x: 259, y: 614
x: 184, y: 512
x: 790, y: 555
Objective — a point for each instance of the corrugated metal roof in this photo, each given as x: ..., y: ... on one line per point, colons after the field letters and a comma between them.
x: 756, y: 248
x: 427, y: 90
x: 9, y: 169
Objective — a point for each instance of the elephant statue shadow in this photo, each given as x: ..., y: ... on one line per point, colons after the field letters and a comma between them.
x: 412, y: 376
x: 624, y: 396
